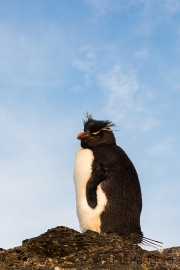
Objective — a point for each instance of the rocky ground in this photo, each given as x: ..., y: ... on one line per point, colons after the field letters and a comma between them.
x: 64, y: 248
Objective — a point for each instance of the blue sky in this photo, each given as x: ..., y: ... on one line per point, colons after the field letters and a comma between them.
x: 119, y: 60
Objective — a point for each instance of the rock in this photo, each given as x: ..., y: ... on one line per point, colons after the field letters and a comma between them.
x: 63, y: 248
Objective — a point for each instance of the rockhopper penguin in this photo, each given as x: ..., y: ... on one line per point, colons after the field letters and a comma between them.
x: 108, y: 192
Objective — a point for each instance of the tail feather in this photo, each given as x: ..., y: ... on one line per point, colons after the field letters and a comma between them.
x: 150, y: 242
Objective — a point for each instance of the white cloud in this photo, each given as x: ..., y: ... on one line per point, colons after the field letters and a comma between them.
x: 102, y: 7
x: 164, y: 148
x: 171, y: 6
x: 126, y: 102
x: 120, y: 89
x: 149, y: 13
x: 153, y: 13
x: 33, y: 58
x: 85, y: 66
x: 88, y: 65
x: 142, y: 54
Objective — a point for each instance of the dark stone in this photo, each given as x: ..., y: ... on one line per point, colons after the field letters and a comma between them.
x: 64, y: 248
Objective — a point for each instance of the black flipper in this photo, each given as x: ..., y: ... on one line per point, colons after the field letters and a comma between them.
x: 98, y: 175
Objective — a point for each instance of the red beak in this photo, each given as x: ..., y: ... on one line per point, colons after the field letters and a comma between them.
x: 82, y: 136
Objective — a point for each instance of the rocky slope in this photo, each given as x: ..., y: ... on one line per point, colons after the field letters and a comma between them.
x: 64, y: 248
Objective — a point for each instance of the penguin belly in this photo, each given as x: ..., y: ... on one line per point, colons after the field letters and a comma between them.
x: 89, y: 218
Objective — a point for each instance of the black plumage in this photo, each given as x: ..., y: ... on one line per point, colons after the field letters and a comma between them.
x: 114, y: 171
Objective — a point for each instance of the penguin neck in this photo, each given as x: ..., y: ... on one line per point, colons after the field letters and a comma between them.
x: 85, y: 146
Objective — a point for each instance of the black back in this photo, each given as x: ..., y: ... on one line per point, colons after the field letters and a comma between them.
x: 122, y: 189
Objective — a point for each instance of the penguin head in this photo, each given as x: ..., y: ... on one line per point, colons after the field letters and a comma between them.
x: 96, y: 133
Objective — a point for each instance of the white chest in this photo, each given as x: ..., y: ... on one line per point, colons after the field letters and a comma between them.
x: 88, y: 218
